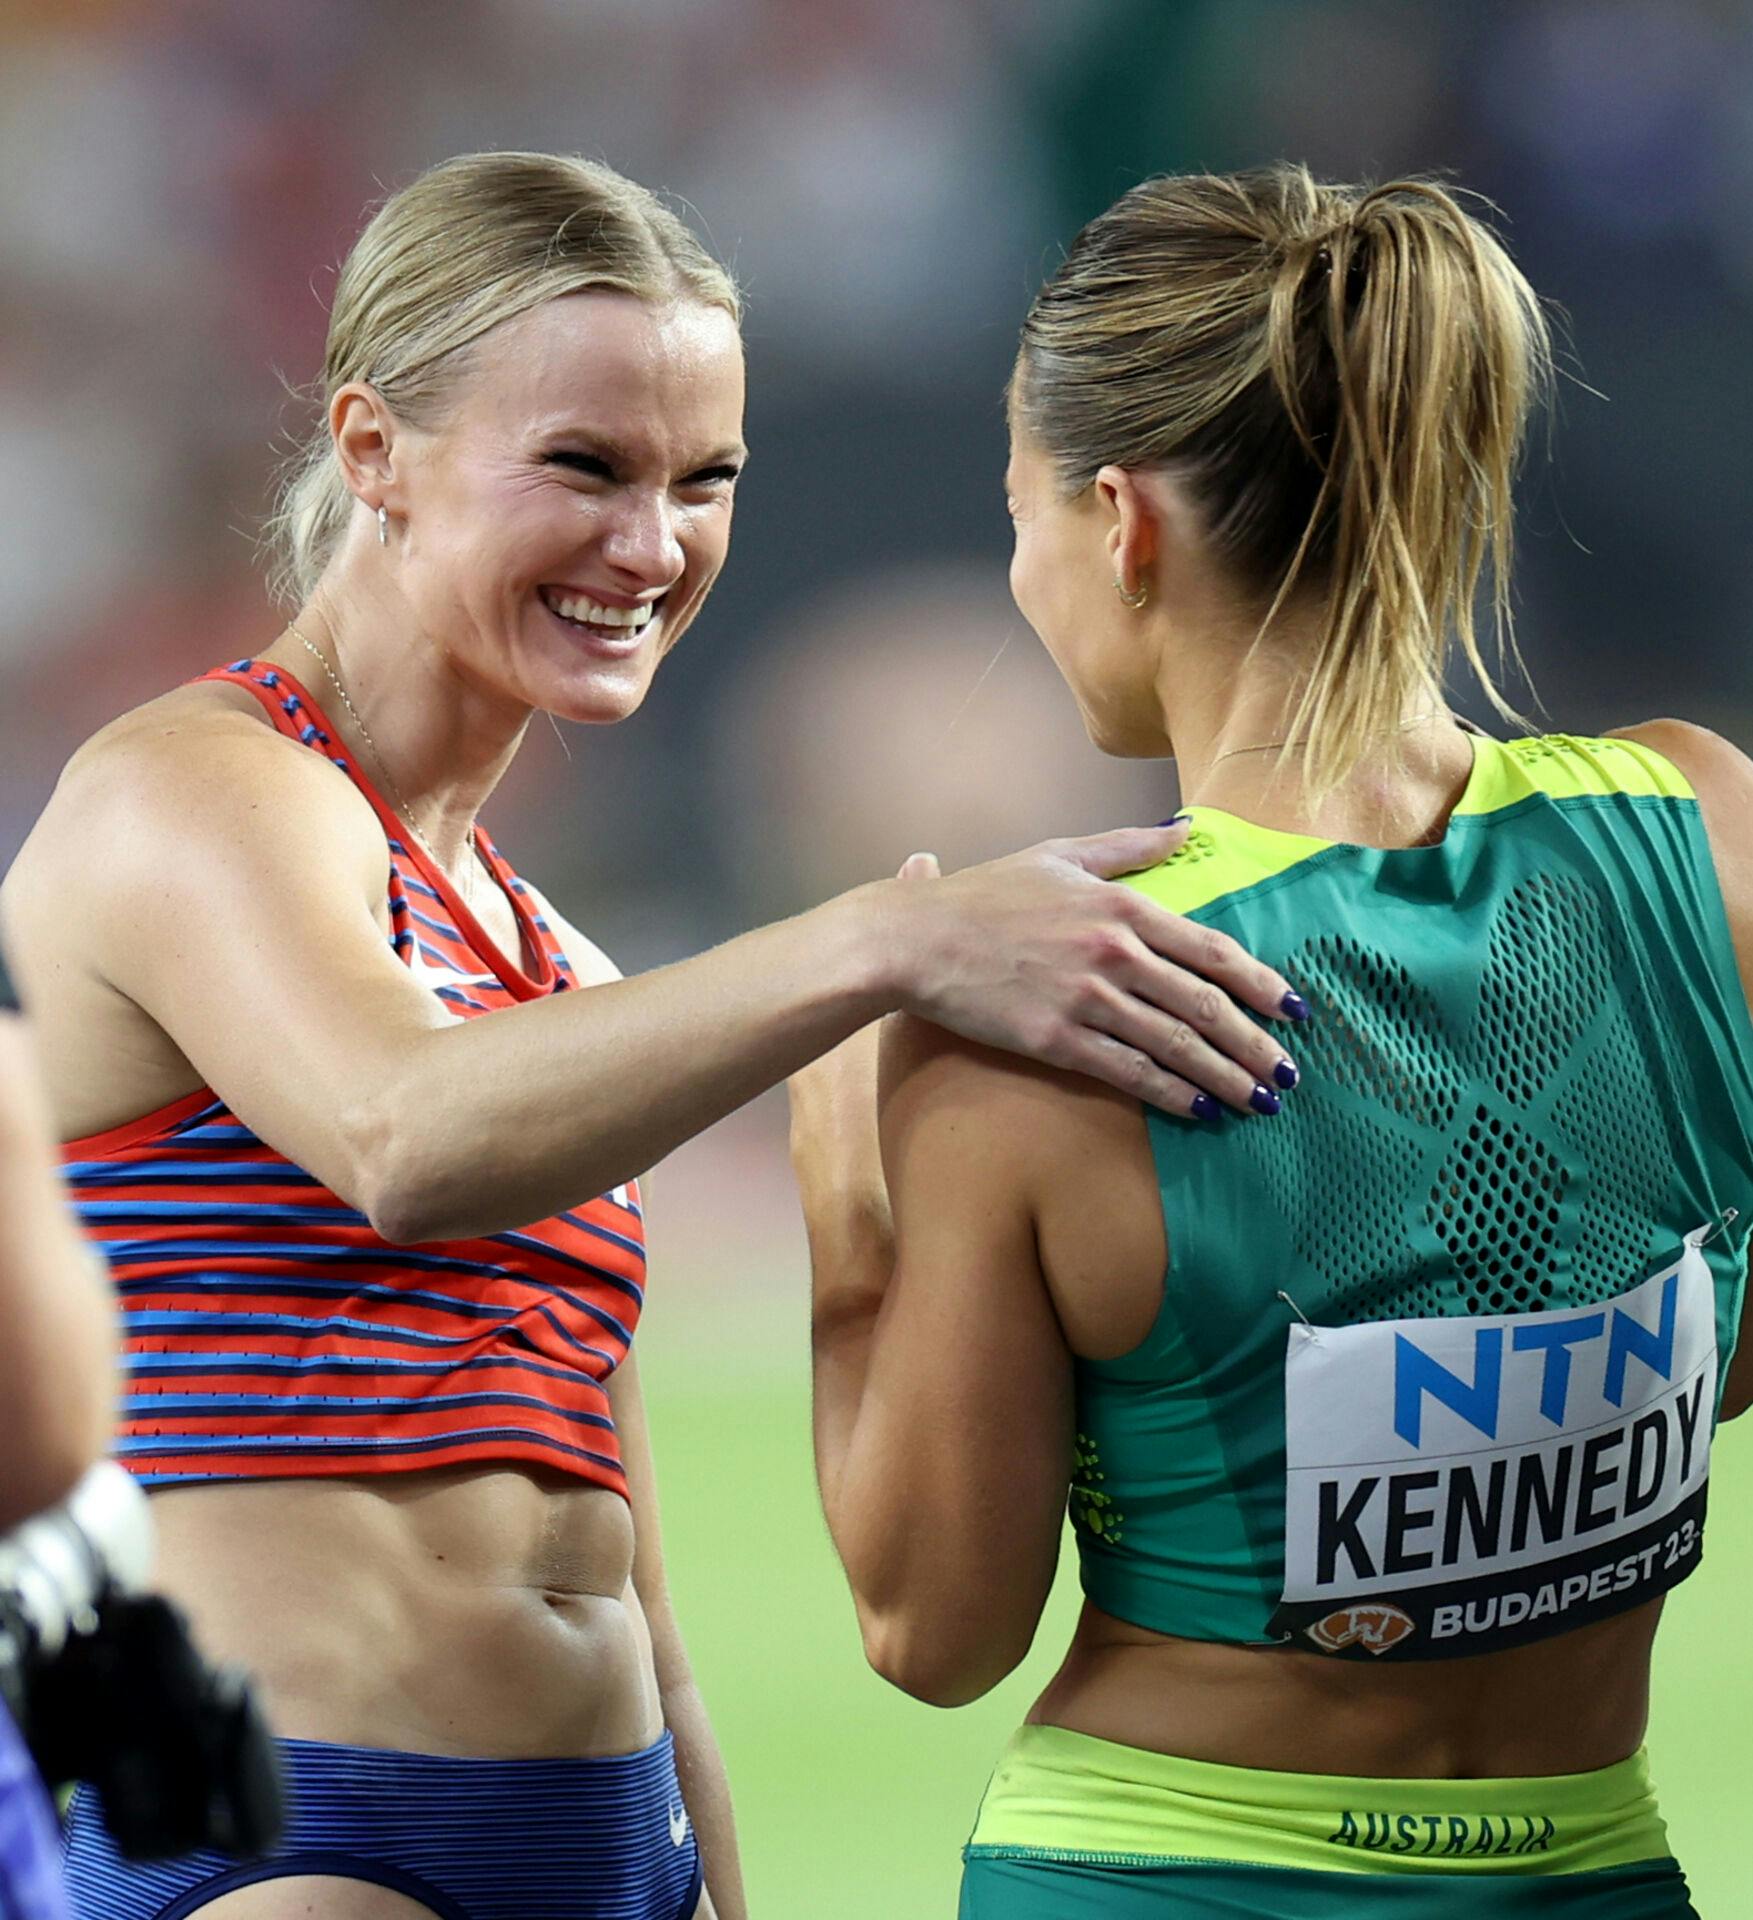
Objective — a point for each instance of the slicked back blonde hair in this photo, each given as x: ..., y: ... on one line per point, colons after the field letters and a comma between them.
x: 469, y: 244
x: 1342, y: 377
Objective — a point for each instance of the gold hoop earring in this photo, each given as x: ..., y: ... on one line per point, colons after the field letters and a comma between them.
x: 1137, y: 597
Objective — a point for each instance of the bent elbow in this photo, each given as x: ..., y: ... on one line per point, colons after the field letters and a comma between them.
x: 405, y: 1211
x: 395, y: 1221
x: 939, y: 1662
x: 391, y: 1179
x: 390, y: 1207
x: 414, y: 1212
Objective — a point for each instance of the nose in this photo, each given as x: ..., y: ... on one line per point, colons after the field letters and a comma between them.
x: 643, y: 543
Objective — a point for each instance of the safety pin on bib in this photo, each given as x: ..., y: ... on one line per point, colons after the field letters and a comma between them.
x: 1721, y: 1224
x: 1309, y: 1328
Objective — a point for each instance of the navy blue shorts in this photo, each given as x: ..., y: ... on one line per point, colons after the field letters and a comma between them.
x: 598, y: 1839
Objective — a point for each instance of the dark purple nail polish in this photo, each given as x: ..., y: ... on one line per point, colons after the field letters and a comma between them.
x: 1285, y: 1074
x: 1204, y: 1107
x: 1264, y: 1100
x: 1174, y: 820
x: 1295, y: 1005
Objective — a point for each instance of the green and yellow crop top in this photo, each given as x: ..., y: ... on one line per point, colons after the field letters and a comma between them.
x: 1440, y: 1349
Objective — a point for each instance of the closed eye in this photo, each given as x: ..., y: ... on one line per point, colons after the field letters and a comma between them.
x: 600, y: 469
x: 589, y: 463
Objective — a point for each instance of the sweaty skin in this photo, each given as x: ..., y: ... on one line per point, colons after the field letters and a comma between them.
x: 944, y: 1335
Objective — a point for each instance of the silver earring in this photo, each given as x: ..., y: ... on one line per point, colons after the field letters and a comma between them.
x: 1137, y: 597
x: 383, y: 526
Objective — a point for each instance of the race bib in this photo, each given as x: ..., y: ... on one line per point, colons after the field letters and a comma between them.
x: 1456, y: 1486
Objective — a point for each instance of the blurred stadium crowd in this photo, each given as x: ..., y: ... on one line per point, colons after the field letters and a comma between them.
x: 888, y: 178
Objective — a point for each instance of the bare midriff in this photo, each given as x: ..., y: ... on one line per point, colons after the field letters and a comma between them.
x: 486, y: 1611
x: 1567, y: 1705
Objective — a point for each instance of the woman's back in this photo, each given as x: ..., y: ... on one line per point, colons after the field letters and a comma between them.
x: 1437, y: 1362
x: 1440, y: 1349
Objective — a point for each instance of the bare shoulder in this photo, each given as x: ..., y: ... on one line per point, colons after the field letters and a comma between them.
x: 1722, y: 777
x: 591, y: 967
x: 1028, y: 1111
x: 207, y: 747
x: 164, y: 799
x: 1716, y: 769
x: 168, y: 782
x: 167, y: 830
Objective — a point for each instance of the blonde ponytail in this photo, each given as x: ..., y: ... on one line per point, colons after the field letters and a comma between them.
x: 1342, y: 377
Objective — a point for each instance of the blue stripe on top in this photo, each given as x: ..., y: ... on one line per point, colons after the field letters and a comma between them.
x: 175, y: 1406
x: 222, y: 1441
x: 166, y: 1364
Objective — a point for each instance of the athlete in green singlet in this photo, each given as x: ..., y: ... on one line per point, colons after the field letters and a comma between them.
x: 1386, y: 1422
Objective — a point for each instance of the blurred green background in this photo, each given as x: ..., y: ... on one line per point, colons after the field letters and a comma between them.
x: 852, y: 1800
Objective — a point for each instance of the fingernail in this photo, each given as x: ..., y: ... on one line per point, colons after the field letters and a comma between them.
x: 1264, y: 1100
x: 1285, y: 1074
x: 1204, y: 1107
x: 1295, y: 1005
x: 1174, y: 820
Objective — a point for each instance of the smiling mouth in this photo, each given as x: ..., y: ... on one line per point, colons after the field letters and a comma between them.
x: 622, y: 626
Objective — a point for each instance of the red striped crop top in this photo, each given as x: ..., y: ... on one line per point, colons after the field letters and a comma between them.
x: 269, y: 1332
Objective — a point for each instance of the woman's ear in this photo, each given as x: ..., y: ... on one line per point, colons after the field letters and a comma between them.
x: 364, y: 432
x: 1134, y: 534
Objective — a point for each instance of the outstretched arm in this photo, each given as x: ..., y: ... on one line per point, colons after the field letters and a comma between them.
x: 230, y: 885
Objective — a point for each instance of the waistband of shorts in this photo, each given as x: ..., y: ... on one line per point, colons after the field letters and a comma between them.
x: 329, y: 1778
x: 334, y: 1752
x: 1058, y: 1795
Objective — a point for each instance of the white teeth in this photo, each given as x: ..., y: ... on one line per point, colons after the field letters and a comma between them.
x: 577, y: 607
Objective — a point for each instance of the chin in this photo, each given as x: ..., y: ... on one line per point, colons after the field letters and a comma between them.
x: 1111, y: 734
x: 590, y: 691
x: 594, y: 700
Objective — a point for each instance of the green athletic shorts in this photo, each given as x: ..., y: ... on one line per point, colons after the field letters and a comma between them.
x: 1074, y: 1828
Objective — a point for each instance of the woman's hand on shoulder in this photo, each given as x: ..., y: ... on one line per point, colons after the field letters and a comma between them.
x: 1038, y: 954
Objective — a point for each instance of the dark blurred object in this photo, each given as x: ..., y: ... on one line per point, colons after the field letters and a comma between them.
x: 107, y: 1687
x: 8, y: 992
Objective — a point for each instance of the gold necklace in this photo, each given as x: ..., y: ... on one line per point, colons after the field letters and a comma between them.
x: 468, y: 886
x: 1269, y: 746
